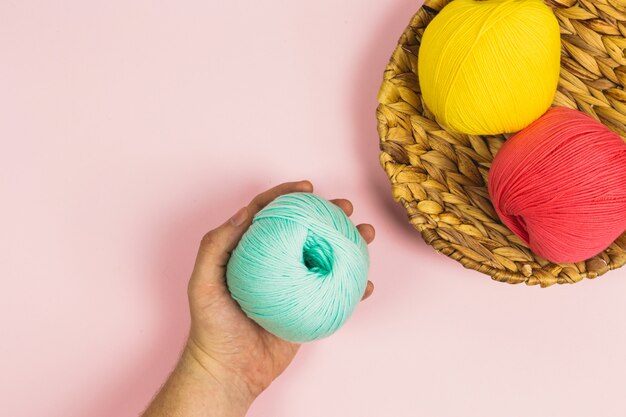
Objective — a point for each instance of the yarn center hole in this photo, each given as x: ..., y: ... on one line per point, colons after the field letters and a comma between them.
x: 317, y: 254
x: 520, y: 221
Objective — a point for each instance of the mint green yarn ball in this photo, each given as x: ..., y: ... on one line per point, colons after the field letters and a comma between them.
x: 300, y: 269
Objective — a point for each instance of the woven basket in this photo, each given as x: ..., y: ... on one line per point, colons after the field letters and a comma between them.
x: 440, y: 176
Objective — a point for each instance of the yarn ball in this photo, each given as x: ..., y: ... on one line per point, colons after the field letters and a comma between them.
x: 490, y: 66
x: 560, y: 185
x: 300, y: 269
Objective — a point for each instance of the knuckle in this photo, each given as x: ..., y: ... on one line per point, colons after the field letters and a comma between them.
x: 192, y: 289
x: 208, y: 240
x: 255, y: 203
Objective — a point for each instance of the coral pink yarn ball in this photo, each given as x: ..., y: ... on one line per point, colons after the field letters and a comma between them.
x: 560, y: 185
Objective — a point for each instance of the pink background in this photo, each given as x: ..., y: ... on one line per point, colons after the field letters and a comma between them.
x: 129, y: 128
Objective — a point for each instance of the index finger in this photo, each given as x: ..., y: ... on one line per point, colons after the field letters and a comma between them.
x: 268, y: 196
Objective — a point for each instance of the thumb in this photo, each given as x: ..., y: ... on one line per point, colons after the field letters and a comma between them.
x: 217, y: 245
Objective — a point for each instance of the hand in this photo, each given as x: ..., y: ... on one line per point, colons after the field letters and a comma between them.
x: 242, y: 356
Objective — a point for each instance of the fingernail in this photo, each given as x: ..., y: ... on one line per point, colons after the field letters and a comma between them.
x: 240, y: 217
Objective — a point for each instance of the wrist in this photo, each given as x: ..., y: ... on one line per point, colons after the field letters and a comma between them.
x: 217, y: 379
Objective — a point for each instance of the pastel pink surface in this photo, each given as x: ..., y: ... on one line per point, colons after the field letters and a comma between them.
x: 128, y: 129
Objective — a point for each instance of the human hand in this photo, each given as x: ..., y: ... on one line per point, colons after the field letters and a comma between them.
x: 231, y: 348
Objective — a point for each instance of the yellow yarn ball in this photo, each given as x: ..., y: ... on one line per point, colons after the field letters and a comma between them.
x: 490, y: 66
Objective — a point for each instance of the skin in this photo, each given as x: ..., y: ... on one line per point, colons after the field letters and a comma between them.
x: 228, y: 359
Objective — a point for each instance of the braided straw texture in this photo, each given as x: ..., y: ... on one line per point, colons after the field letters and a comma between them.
x: 440, y: 177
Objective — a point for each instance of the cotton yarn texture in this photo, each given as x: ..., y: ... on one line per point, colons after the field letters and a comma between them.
x: 300, y: 269
x: 439, y: 176
x: 560, y: 185
x: 490, y: 66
